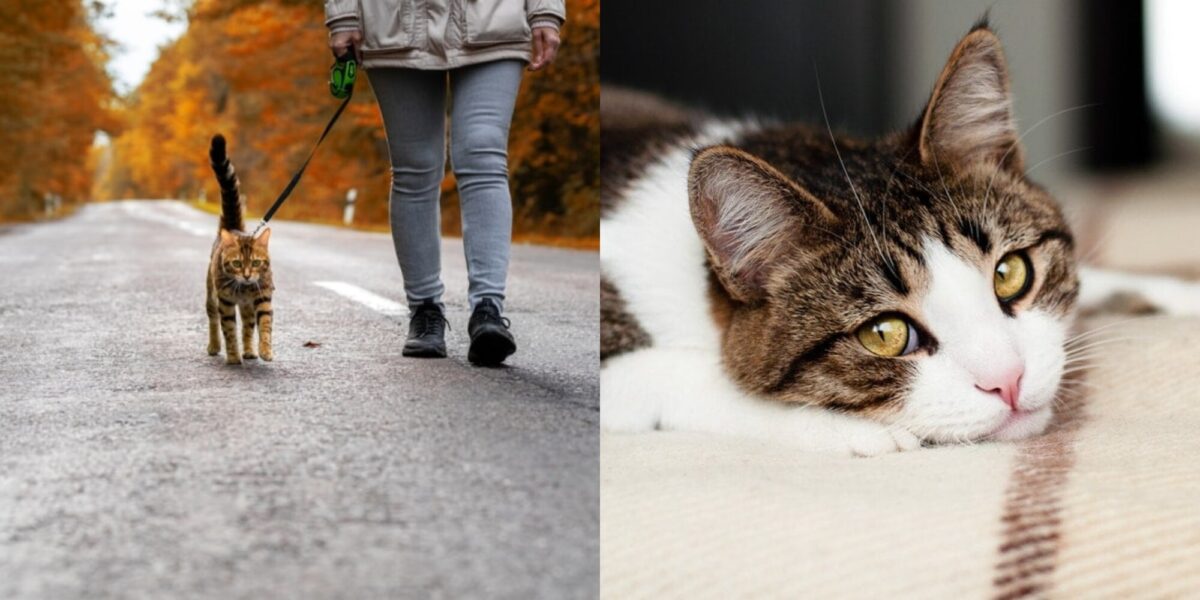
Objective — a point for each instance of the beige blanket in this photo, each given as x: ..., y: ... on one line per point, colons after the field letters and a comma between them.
x: 1105, y: 505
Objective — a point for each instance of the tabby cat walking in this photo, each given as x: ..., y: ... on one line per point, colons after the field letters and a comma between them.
x: 239, y: 273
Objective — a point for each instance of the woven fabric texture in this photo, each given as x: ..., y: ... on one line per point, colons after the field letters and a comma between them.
x: 1104, y: 505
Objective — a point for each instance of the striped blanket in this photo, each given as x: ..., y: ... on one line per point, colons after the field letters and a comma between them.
x: 1104, y: 505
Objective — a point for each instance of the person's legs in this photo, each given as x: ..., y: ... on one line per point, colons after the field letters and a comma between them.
x: 413, y: 104
x: 482, y: 98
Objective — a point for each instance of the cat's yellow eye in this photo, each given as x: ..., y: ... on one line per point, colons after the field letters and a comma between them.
x: 237, y: 264
x: 888, y: 335
x: 256, y: 263
x: 1013, y: 276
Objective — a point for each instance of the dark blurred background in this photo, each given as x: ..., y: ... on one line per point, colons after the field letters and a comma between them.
x: 878, y: 60
x: 1108, y: 90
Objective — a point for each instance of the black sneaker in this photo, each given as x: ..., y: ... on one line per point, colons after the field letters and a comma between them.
x: 426, y: 332
x: 491, y: 342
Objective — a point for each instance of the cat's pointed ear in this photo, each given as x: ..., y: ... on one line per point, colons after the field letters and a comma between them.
x: 969, y: 117
x: 749, y: 215
x: 263, y: 238
x: 227, y: 237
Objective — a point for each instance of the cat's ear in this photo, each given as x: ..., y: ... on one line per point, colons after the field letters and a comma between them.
x: 749, y: 215
x: 263, y: 238
x: 227, y: 237
x: 969, y: 117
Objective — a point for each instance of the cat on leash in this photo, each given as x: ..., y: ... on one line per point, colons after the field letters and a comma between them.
x: 239, y: 273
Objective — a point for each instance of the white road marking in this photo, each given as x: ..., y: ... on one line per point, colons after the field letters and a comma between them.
x: 370, y: 300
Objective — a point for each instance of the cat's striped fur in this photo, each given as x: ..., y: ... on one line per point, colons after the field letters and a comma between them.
x: 239, y: 273
x: 741, y: 260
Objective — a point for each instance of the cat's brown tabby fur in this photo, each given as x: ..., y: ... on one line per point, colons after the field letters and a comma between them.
x: 239, y: 273
x: 839, y: 255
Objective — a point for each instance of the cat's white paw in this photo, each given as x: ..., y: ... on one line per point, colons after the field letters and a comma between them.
x: 822, y: 430
x: 863, y: 438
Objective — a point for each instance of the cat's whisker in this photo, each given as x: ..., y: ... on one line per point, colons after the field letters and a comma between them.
x: 943, y: 182
x: 1081, y: 385
x: 1056, y: 157
x: 1078, y: 356
x: 1090, y: 360
x: 1017, y: 143
x: 1081, y: 356
x: 832, y: 234
x: 842, y: 163
x: 1099, y: 329
x: 899, y: 165
x: 1105, y: 235
x: 1093, y: 345
x: 1097, y: 343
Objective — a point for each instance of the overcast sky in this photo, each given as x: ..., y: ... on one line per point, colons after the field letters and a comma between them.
x: 138, y: 35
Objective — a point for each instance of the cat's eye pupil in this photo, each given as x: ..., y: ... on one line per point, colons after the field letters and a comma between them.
x: 888, y: 336
x: 1013, y: 276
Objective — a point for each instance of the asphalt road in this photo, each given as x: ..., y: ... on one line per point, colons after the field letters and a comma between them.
x: 134, y: 465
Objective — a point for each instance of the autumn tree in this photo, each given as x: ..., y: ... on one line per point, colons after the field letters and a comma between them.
x: 56, y: 96
x: 257, y: 72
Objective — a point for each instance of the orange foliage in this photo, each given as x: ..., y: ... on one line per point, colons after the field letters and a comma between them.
x: 56, y: 96
x: 257, y: 72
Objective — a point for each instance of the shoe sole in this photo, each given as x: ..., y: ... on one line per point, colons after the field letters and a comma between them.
x: 490, y: 349
x: 423, y: 351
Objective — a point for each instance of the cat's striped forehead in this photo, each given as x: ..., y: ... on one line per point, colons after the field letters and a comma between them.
x: 890, y: 221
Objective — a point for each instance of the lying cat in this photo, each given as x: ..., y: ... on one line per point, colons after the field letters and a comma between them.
x: 239, y: 273
x: 854, y: 296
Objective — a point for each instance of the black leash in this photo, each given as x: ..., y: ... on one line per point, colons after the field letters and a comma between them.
x: 341, y: 85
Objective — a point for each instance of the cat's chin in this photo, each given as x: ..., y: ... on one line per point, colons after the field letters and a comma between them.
x: 1021, y: 425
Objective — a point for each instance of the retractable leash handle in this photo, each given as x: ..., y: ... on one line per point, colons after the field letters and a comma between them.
x: 342, y: 74
x: 341, y: 84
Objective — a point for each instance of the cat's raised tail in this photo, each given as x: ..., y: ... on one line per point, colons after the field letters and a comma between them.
x: 231, y: 197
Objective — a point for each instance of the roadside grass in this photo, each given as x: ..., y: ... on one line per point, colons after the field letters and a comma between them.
x: 39, y: 217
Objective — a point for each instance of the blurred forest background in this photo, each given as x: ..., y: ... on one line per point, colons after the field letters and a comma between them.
x: 256, y: 70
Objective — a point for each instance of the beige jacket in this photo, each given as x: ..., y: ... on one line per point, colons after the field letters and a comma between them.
x: 442, y: 34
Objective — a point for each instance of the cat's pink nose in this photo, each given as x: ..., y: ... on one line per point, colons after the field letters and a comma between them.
x: 1004, y: 382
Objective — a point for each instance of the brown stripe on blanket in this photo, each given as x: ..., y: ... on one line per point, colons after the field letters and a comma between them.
x: 1031, y: 535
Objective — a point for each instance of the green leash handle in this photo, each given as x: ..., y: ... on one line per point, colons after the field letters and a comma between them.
x: 342, y: 75
x: 341, y: 85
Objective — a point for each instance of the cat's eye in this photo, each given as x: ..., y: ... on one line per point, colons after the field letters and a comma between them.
x: 889, y: 335
x: 256, y: 263
x: 237, y: 264
x: 1013, y: 276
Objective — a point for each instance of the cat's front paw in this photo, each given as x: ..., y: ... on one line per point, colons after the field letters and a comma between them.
x: 827, y: 431
x: 867, y: 438
x: 214, y: 349
x: 233, y: 359
x: 266, y: 353
x: 250, y: 355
